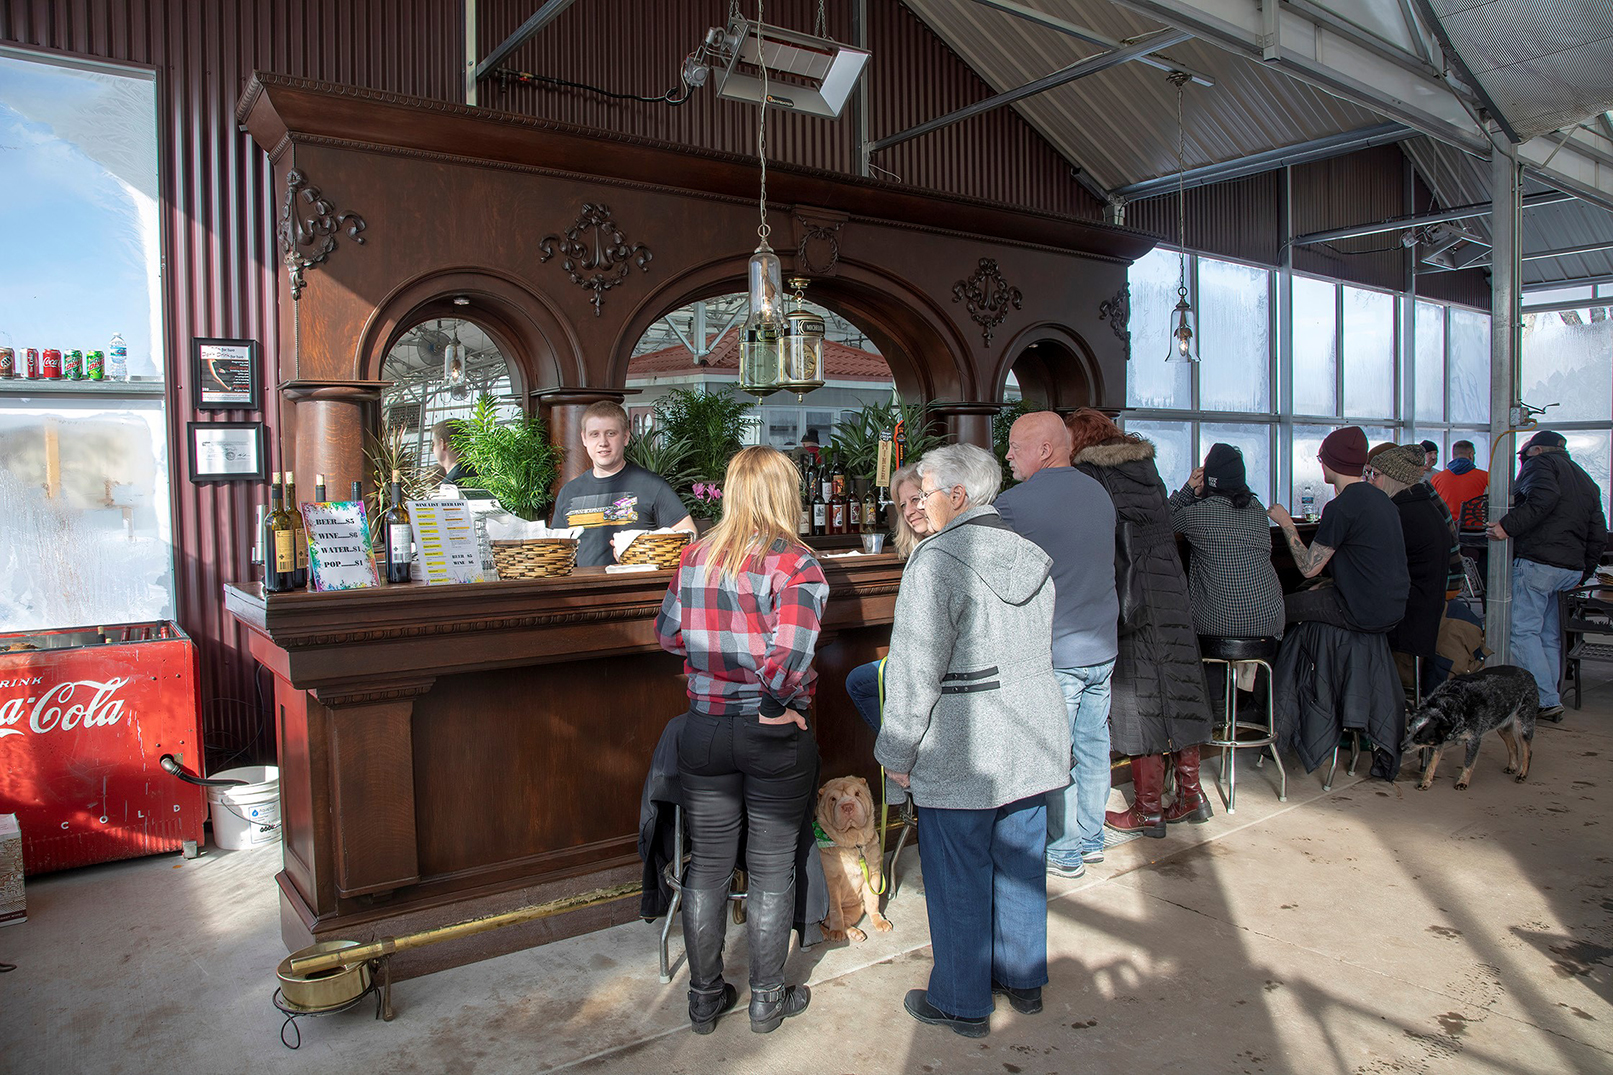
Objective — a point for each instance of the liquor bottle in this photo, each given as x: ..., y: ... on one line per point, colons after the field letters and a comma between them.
x: 117, y: 358
x: 870, y: 512
x: 399, y: 535
x: 319, y: 489
x: 820, y: 511
x: 279, y: 546
x: 299, y: 534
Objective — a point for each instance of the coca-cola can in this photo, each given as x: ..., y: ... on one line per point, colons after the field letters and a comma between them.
x: 32, y: 368
x: 50, y: 364
x: 8, y: 362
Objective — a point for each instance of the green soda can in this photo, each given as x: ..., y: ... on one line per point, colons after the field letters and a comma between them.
x: 95, y: 365
x: 73, y: 365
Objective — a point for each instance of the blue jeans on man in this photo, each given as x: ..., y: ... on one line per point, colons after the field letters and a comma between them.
x: 986, y: 891
x: 1537, y: 636
x: 1075, y: 815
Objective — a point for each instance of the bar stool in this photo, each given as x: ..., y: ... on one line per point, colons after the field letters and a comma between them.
x: 1231, y: 654
x: 673, y: 872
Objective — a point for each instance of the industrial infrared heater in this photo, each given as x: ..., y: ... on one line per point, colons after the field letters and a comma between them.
x: 85, y: 714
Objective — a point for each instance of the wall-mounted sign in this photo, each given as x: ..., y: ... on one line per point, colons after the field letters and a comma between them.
x: 340, y: 555
x: 226, y: 451
x: 224, y: 374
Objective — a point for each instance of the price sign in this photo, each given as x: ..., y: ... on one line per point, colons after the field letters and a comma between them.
x: 445, y: 535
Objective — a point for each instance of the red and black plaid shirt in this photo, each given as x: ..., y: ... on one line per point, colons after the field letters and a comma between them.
x: 748, y: 639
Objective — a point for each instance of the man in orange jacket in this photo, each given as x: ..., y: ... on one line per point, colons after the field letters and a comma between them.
x: 1461, y: 480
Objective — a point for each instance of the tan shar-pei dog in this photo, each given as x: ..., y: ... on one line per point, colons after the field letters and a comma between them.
x: 845, y: 818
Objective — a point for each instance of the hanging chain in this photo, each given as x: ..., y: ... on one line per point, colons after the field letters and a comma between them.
x: 1179, y: 79
x: 761, y: 122
x: 822, y: 27
x: 733, y: 12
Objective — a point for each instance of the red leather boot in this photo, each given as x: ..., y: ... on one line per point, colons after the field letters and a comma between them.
x: 1147, y: 783
x: 1191, y: 804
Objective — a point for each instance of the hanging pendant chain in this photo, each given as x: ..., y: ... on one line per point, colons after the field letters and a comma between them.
x: 1180, y: 78
x: 822, y: 28
x: 761, y: 124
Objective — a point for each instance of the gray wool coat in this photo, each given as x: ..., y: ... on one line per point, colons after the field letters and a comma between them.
x: 972, y: 710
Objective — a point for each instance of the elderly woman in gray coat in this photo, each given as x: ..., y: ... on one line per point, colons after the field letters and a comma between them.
x: 975, y: 725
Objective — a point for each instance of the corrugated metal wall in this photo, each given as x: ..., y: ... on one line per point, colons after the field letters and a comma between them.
x: 1354, y: 189
x: 219, y: 225
x: 1237, y: 219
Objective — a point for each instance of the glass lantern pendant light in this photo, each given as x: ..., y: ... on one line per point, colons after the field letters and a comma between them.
x: 453, y: 368
x: 1184, y: 343
x: 801, y: 355
x: 764, y: 328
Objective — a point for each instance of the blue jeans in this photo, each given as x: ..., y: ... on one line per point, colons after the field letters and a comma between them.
x: 1075, y: 814
x: 1537, y: 636
x: 863, y: 687
x: 986, y: 890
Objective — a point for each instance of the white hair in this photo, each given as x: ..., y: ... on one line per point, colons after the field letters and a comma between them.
x: 976, y: 469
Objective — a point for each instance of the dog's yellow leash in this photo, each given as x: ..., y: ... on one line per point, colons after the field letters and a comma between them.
x: 884, y: 806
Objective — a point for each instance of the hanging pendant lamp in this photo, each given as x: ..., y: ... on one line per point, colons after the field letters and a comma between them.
x: 1184, y: 342
x: 760, y: 338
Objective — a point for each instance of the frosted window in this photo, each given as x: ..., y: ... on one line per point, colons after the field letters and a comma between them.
x: 1306, y: 469
x: 1150, y: 380
x: 1173, y: 449
x: 1561, y: 294
x: 1568, y: 359
x: 1430, y: 371
x: 1590, y: 449
x: 1315, y: 347
x: 1254, y: 441
x: 1481, y: 447
x: 1234, y: 337
x: 1369, y: 353
x: 1469, y: 373
x: 84, y: 523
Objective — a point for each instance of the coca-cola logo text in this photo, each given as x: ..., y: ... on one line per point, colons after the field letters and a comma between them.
x: 84, y: 703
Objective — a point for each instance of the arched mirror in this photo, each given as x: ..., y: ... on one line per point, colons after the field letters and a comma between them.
x: 439, y: 368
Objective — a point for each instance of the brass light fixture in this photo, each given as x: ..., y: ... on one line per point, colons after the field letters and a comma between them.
x: 453, y: 368
x: 801, y: 353
x: 1184, y: 345
x: 759, y: 340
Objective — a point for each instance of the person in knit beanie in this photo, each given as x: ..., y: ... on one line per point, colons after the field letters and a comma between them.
x: 1430, y: 541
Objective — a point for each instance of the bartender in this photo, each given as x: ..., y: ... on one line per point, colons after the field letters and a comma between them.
x: 615, y: 495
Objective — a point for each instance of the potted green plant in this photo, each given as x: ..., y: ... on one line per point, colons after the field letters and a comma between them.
x: 389, y: 452
x: 1001, y: 423
x: 696, y: 434
x: 856, y: 438
x: 513, y: 459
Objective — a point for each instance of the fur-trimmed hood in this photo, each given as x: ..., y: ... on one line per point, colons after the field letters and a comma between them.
x: 1116, y: 453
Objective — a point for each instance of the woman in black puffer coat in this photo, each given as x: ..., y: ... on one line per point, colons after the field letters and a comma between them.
x: 1159, y: 705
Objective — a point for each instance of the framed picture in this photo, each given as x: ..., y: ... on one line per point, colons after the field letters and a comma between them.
x: 226, y: 451
x: 224, y: 375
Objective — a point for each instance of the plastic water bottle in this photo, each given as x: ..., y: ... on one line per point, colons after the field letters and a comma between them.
x: 117, y: 359
x: 1307, y: 502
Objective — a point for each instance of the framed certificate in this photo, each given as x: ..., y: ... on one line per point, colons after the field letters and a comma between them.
x: 226, y: 451
x: 224, y: 375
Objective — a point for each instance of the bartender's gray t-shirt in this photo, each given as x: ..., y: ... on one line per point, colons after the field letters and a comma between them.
x: 631, y: 499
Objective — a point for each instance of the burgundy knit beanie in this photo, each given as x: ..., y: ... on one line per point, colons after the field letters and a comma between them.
x: 1344, y: 451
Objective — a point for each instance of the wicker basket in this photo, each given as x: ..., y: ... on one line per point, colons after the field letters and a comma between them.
x: 662, y: 550
x: 535, y: 558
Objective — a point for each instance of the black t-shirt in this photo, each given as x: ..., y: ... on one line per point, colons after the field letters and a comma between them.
x: 631, y: 499
x: 1362, y: 527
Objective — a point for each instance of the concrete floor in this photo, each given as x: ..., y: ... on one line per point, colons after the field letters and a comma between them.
x: 1369, y: 930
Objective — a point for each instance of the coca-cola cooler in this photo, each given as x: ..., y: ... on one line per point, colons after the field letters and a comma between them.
x: 85, y: 715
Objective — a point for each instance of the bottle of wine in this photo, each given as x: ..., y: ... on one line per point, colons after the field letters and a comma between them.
x: 803, y: 527
x: 820, y: 510
x: 319, y: 489
x: 837, y: 513
x: 838, y: 478
x: 279, y: 546
x: 399, y: 535
x: 870, y: 512
x: 299, y: 534
x: 854, y: 513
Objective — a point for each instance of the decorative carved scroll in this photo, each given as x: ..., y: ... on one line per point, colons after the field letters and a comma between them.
x: 306, y: 241
x: 596, y: 254
x: 1117, y: 311
x: 988, y: 296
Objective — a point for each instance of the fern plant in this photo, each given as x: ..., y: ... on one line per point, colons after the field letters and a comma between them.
x: 513, y: 459
x: 388, y: 452
x: 855, y: 441
x: 712, y: 428
x: 661, y: 453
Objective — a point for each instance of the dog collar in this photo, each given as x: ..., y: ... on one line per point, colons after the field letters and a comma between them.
x: 822, y: 837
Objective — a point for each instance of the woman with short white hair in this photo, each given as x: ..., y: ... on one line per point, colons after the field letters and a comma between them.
x: 975, y: 725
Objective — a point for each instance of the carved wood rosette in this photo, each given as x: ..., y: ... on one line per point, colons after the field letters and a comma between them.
x: 989, y: 296
x: 1117, y: 311
x: 595, y: 253
x: 306, y: 241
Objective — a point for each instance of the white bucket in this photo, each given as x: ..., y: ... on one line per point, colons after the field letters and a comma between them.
x: 246, y: 815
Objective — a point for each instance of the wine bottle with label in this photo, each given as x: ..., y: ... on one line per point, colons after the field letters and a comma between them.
x: 820, y: 512
x: 299, y: 534
x: 279, y: 547
x: 854, y: 513
x: 399, y: 534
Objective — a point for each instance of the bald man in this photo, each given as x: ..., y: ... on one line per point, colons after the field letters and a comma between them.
x: 1071, y: 517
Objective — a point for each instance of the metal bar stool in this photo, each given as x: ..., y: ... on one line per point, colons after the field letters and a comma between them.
x: 673, y: 872
x: 1356, y: 737
x: 1231, y: 653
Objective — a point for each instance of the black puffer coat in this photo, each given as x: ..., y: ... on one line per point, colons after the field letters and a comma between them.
x: 1159, y: 700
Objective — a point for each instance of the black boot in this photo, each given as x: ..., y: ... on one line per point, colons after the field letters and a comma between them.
x: 768, y: 921
x: 705, y: 921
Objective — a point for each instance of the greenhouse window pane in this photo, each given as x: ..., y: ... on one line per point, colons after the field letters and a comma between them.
x: 1254, y: 441
x: 1173, y: 449
x: 1560, y: 294
x: 1369, y: 353
x: 1469, y: 373
x: 1306, y: 469
x: 1568, y: 359
x: 1590, y: 449
x: 1430, y: 371
x: 1234, y: 337
x: 1150, y: 380
x: 1315, y: 347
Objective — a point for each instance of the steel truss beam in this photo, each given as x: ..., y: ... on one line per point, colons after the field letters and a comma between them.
x: 550, y: 11
x: 1315, y: 149
x: 1081, y: 33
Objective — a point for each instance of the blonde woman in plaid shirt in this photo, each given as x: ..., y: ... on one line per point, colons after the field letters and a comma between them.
x: 744, y: 611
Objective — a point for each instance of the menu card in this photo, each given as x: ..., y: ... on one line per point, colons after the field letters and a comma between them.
x: 340, y: 556
x: 446, y: 544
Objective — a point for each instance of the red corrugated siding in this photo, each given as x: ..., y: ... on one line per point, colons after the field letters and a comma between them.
x: 219, y: 226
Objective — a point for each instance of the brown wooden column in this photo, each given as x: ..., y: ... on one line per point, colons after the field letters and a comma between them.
x: 563, y: 408
x: 969, y: 422
x: 329, y: 419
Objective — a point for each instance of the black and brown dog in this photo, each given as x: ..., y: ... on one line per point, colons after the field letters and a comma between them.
x: 1464, y: 708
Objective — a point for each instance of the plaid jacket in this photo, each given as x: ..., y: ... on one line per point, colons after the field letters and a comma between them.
x: 747, y: 640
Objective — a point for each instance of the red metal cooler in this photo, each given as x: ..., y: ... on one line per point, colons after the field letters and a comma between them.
x: 84, y: 717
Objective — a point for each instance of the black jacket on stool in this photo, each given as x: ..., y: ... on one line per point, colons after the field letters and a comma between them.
x: 1159, y: 701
